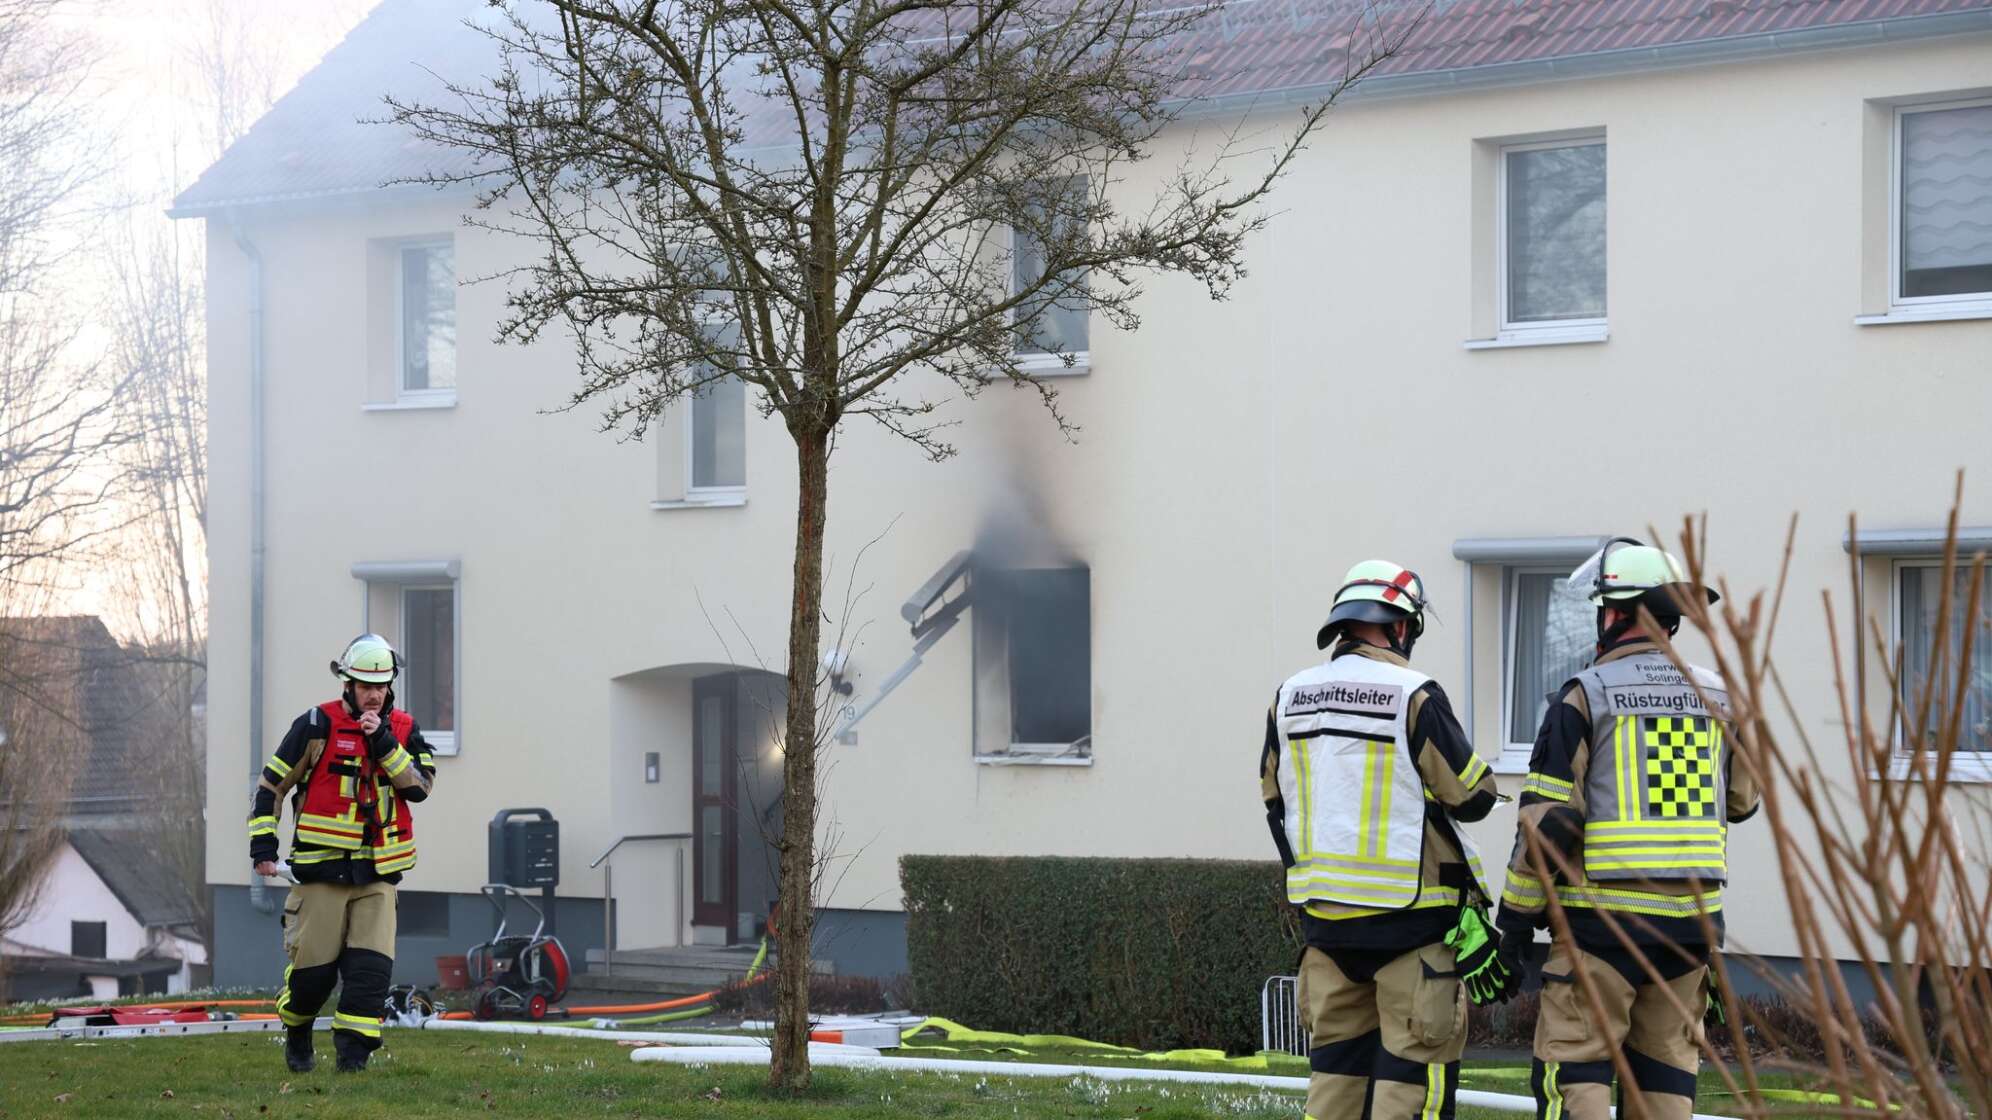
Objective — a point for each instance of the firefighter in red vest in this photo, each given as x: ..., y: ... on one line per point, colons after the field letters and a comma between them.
x: 352, y: 766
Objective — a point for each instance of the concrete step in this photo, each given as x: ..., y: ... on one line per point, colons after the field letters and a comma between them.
x: 689, y: 978
x: 733, y: 961
x: 596, y: 988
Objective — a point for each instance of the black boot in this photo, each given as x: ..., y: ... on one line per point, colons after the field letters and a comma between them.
x: 352, y: 1051
x: 297, y: 1049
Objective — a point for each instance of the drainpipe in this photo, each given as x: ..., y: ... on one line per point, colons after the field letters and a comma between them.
x: 259, y: 895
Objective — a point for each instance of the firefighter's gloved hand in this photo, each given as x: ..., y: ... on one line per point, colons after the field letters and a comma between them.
x: 1717, y: 1012
x: 1487, y: 977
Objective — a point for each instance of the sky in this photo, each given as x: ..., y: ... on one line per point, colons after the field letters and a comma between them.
x: 148, y: 107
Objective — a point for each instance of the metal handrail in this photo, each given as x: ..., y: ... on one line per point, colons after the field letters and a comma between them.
x: 608, y: 895
x: 632, y: 839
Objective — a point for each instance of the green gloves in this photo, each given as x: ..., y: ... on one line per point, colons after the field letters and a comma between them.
x: 1717, y: 1012
x: 1490, y: 974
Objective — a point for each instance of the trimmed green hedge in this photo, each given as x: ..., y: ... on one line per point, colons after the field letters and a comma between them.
x: 1155, y: 953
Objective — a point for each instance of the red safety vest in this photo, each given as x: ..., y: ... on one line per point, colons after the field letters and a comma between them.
x: 349, y: 802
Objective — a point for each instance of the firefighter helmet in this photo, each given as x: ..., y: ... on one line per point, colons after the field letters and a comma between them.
x: 1376, y: 591
x: 369, y: 659
x: 1625, y: 571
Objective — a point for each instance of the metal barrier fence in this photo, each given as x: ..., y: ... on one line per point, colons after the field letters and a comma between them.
x: 1281, y: 1028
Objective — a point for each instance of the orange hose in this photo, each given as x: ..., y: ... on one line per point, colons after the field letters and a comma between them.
x: 639, y: 1008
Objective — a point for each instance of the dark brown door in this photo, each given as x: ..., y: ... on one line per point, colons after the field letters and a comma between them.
x: 715, y: 838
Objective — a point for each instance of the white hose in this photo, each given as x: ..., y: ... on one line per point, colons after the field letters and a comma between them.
x: 758, y: 1055
x: 700, y: 1042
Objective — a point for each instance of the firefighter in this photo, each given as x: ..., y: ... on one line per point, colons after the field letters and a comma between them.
x: 1363, y: 773
x: 352, y: 765
x: 1631, y: 788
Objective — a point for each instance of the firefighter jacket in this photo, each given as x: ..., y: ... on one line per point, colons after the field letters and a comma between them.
x: 1363, y: 769
x: 1633, y: 783
x: 350, y: 795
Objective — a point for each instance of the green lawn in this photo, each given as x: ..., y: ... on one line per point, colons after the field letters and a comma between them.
x: 448, y: 1074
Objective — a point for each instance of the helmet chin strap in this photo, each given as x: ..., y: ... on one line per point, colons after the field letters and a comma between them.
x: 1412, y: 632
x: 1628, y: 621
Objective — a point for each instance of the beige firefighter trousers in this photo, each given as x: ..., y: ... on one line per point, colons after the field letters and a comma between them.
x: 1393, y: 1038
x: 1656, y: 1025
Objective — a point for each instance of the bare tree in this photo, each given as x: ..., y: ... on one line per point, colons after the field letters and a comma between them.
x: 825, y: 199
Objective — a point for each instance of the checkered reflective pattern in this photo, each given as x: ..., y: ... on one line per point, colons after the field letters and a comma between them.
x: 1680, y: 766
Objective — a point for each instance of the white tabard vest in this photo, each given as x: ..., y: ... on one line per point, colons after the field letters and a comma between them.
x: 1355, y: 804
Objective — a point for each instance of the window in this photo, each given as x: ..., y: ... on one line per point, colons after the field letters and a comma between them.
x: 425, y: 277
x: 716, y: 441
x: 422, y: 914
x: 88, y: 939
x: 428, y: 626
x: 1551, y: 632
x: 1919, y: 593
x: 1943, y: 186
x: 1034, y: 664
x: 417, y: 605
x: 1061, y: 328
x: 1550, y: 240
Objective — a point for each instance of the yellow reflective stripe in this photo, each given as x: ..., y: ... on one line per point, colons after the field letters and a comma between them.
x: 290, y: 1018
x: 369, y: 1028
x: 278, y: 767
x: 1355, y: 887
x: 1676, y: 827
x: 262, y: 826
x: 427, y: 759
x: 316, y: 857
x: 1386, y: 777
x: 1639, y: 902
x: 1547, y: 787
x: 328, y: 839
x: 1700, y: 864
x: 1435, y: 898
x: 1357, y: 863
x: 1523, y: 890
x: 1622, y: 766
x: 1474, y: 771
x: 1552, y: 1092
x: 1319, y: 866
x: 1306, y: 787
x: 396, y: 762
x: 338, y: 824
x: 1435, y: 1092
x: 1647, y: 848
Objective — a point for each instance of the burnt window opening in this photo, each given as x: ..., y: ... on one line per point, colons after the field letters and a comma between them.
x: 1034, y: 662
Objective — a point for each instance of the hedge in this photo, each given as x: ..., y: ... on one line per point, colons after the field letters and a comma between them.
x: 1154, y: 953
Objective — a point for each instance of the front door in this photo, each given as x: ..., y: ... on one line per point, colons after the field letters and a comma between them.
x: 715, y: 840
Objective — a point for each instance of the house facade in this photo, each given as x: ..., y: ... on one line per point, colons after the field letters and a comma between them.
x: 1545, y: 281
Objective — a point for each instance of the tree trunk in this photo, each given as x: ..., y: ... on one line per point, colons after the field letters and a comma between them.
x: 788, y: 1069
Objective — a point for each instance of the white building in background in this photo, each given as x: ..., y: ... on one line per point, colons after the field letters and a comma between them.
x: 108, y: 924
x: 1750, y: 237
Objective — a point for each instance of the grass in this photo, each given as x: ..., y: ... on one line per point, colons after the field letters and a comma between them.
x: 438, y: 1074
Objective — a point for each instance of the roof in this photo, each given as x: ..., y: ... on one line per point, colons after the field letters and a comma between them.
x: 316, y: 142
x: 92, y: 686
x: 132, y: 867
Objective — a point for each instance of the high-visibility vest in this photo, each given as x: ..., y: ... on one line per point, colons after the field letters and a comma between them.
x: 1657, y: 789
x: 1355, y: 803
x: 347, y: 801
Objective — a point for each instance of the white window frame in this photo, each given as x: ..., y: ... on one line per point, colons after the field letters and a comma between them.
x: 711, y: 495
x: 1962, y: 304
x: 1050, y: 364
x: 1973, y: 766
x: 1515, y: 756
x: 428, y: 575
x: 403, y: 395
x: 1552, y: 331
